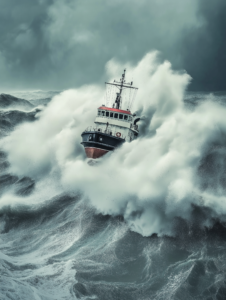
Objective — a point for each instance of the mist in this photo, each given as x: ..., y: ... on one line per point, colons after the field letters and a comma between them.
x: 151, y: 181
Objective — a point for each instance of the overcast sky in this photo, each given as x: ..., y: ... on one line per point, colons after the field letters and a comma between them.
x: 60, y: 44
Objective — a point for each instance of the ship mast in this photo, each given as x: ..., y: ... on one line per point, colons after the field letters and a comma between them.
x: 121, y: 85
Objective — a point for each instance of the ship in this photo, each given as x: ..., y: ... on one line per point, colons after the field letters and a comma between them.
x: 114, y: 123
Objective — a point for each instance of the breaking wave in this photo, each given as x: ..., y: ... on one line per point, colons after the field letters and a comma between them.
x: 143, y: 222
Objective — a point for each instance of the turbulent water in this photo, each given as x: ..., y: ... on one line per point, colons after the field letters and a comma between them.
x: 66, y: 234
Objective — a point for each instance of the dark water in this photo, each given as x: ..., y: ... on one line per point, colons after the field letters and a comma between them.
x: 61, y: 248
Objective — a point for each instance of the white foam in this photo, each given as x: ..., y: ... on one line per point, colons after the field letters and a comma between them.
x: 151, y: 180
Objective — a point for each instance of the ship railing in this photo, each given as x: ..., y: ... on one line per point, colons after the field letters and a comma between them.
x: 107, y: 131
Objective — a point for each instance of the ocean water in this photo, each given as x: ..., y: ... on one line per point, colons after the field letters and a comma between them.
x: 55, y: 244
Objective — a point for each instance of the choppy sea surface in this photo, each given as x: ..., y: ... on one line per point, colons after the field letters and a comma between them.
x: 62, y: 248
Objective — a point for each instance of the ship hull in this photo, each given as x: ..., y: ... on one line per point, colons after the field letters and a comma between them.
x: 97, y: 143
x: 92, y: 152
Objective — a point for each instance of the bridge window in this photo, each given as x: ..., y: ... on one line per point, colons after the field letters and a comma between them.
x: 120, y: 116
x: 116, y: 116
x: 125, y: 117
x: 99, y: 112
x: 111, y: 115
x: 103, y: 113
x: 107, y: 113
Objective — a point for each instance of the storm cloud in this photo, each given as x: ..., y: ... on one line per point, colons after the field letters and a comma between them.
x: 204, y: 48
x: 65, y: 44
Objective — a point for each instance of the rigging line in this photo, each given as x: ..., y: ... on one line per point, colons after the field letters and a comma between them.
x: 134, y: 96
x: 131, y: 104
x: 124, y: 86
x: 129, y: 98
x: 109, y: 93
x: 105, y: 95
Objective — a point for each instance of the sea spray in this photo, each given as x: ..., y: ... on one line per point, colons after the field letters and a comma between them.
x: 151, y: 181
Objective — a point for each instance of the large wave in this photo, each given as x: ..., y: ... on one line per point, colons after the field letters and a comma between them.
x: 155, y: 182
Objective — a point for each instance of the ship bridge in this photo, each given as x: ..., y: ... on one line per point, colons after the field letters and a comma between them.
x: 114, y: 116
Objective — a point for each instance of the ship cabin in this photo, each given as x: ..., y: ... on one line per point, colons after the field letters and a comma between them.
x: 114, y: 116
x: 120, y: 120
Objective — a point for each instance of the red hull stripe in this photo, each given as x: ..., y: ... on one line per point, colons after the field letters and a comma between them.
x: 95, y: 152
x: 116, y: 110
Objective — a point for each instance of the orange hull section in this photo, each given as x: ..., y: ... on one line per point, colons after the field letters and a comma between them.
x: 95, y: 152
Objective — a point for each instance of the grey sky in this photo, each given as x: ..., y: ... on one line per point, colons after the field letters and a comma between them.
x: 60, y: 44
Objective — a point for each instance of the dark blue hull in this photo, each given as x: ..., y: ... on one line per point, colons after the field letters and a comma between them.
x: 97, y: 144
